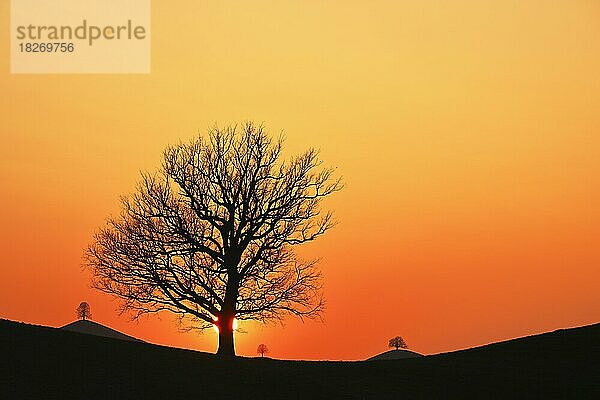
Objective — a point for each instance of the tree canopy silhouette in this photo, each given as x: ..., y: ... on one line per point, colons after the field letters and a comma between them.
x: 262, y: 349
x: 83, y: 311
x: 397, y: 343
x: 211, y: 235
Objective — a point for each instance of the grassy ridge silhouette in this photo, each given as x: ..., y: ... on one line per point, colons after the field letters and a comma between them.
x: 42, y: 362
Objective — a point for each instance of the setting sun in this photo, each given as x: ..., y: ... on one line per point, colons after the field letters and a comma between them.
x: 216, y: 328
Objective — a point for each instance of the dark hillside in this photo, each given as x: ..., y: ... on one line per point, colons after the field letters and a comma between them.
x: 47, y: 363
x: 94, y: 328
x: 395, y: 355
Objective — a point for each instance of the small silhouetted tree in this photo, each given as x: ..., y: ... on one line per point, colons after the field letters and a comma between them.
x: 83, y: 311
x: 211, y: 235
x: 262, y: 349
x: 397, y: 343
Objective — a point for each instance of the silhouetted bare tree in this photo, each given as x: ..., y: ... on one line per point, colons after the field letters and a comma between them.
x: 83, y: 311
x: 397, y: 343
x: 262, y: 349
x: 211, y: 235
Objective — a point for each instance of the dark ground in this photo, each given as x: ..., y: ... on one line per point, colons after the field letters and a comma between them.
x: 47, y: 363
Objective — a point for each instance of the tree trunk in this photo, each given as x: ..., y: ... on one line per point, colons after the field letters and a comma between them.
x: 226, y: 344
x: 225, y: 323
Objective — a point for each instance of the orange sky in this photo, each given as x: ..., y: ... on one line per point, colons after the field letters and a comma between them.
x: 468, y: 134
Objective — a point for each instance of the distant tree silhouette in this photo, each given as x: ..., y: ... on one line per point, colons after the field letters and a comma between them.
x: 262, y: 349
x: 83, y: 311
x: 210, y: 237
x: 397, y: 343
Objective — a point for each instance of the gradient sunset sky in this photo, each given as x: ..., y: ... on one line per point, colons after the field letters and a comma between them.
x: 467, y: 132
